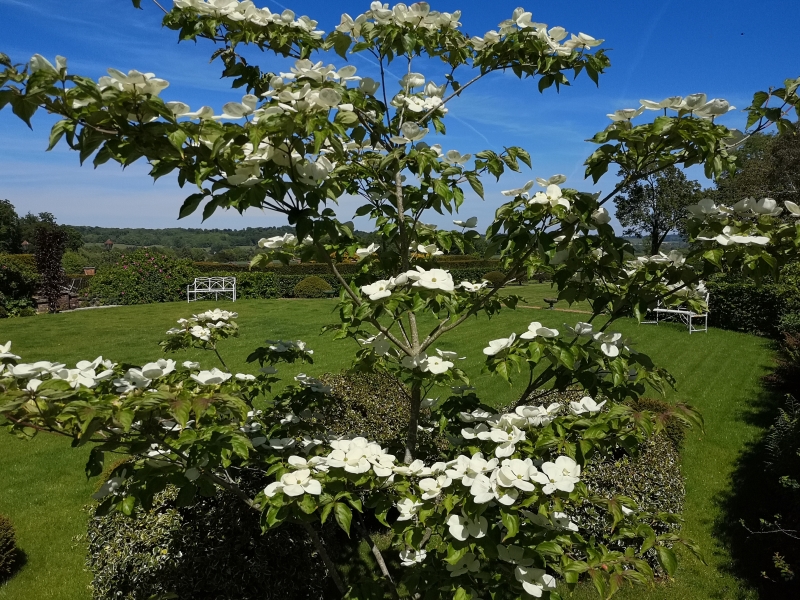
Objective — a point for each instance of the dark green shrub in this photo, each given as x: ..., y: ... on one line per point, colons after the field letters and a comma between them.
x: 28, y: 311
x: 9, y: 554
x: 3, y: 313
x: 18, y: 279
x: 494, y: 277
x: 211, y: 550
x: 789, y: 324
x: 375, y: 406
x: 752, y: 307
x: 312, y: 287
x: 142, y: 277
x: 652, y: 478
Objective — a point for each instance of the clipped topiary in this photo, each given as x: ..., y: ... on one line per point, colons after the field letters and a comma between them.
x: 9, y: 554
x: 376, y: 406
x: 211, y: 550
x: 312, y: 287
x: 495, y: 277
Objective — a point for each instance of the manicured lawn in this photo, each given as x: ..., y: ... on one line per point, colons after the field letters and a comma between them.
x: 43, y: 488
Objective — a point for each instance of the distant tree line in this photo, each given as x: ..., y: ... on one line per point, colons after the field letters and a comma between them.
x: 19, y: 234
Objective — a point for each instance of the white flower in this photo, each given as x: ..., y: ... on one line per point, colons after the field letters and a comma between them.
x: 380, y: 345
x: 534, y: 581
x: 462, y: 528
x: 212, y: 377
x: 609, y: 343
x: 436, y: 365
x: 626, y: 114
x: 245, y: 377
x: 586, y: 404
x: 5, y: 352
x: 430, y: 249
x: 554, y: 180
x: 516, y: 473
x: 434, y: 279
x: 454, y: 157
x: 415, y: 468
x: 673, y: 102
x: 200, y: 332
x: 296, y: 483
x: 552, y: 196
x: 469, y: 223
x: 473, y: 287
x: 536, y: 329
x: 379, y: 289
x: 157, y: 369
x: 713, y: 108
x: 409, y: 558
x: 278, y: 241
x: 561, y: 475
x: 411, y: 132
x: 111, y: 487
x: 538, y: 416
x: 466, y: 564
x: 369, y: 86
x: 704, y: 208
x: 793, y: 209
x: 766, y: 206
x: 132, y: 380
x: 481, y: 489
x: 519, y: 191
x: 431, y: 487
x: 581, y: 328
x: 191, y: 365
x: 415, y: 362
x: 364, y: 252
x: 467, y: 469
x: 237, y: 110
x: 496, y: 346
x: 412, y: 80
x: 601, y: 216
x: 281, y: 443
x: 408, y: 508
x: 506, y: 441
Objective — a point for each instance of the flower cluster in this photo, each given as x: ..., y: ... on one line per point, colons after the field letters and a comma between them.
x: 438, y: 280
x: 247, y: 11
x: 418, y: 15
x: 696, y: 104
x: 521, y: 21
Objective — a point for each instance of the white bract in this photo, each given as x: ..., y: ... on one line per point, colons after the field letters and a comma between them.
x: 586, y: 404
x: 296, y: 483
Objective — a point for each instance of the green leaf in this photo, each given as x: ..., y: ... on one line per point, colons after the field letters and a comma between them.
x: 475, y: 183
x: 667, y: 560
x: 511, y: 522
x: 344, y: 516
x: 127, y: 505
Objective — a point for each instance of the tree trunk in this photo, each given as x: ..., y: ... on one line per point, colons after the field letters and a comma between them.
x: 411, y: 440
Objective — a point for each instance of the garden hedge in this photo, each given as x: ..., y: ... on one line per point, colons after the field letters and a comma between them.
x: 211, y: 550
x: 751, y: 307
x: 9, y: 554
x: 142, y: 277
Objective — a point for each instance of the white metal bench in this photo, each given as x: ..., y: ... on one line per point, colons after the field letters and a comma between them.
x: 219, y: 286
x: 688, y: 317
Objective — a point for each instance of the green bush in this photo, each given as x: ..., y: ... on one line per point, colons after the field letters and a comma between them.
x: 494, y: 277
x: 142, y: 277
x: 28, y: 311
x: 312, y: 287
x: 789, y: 324
x: 752, y: 307
x: 19, y: 280
x: 652, y: 478
x: 211, y: 550
x: 3, y: 313
x: 9, y: 554
x: 375, y: 406
x: 73, y: 262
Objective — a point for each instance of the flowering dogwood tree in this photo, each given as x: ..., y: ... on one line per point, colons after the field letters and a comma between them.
x: 490, y: 518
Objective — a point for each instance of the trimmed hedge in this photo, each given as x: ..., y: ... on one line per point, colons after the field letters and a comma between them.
x: 312, y: 287
x: 494, y: 277
x: 376, y: 406
x: 142, y: 277
x: 211, y: 550
x: 9, y: 554
x: 754, y: 308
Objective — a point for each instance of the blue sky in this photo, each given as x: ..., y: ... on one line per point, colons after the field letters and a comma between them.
x: 725, y: 49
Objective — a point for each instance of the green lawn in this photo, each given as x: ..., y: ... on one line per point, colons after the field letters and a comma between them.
x: 43, y: 488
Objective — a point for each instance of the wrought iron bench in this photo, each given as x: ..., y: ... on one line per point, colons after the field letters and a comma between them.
x: 219, y: 286
x: 686, y: 316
